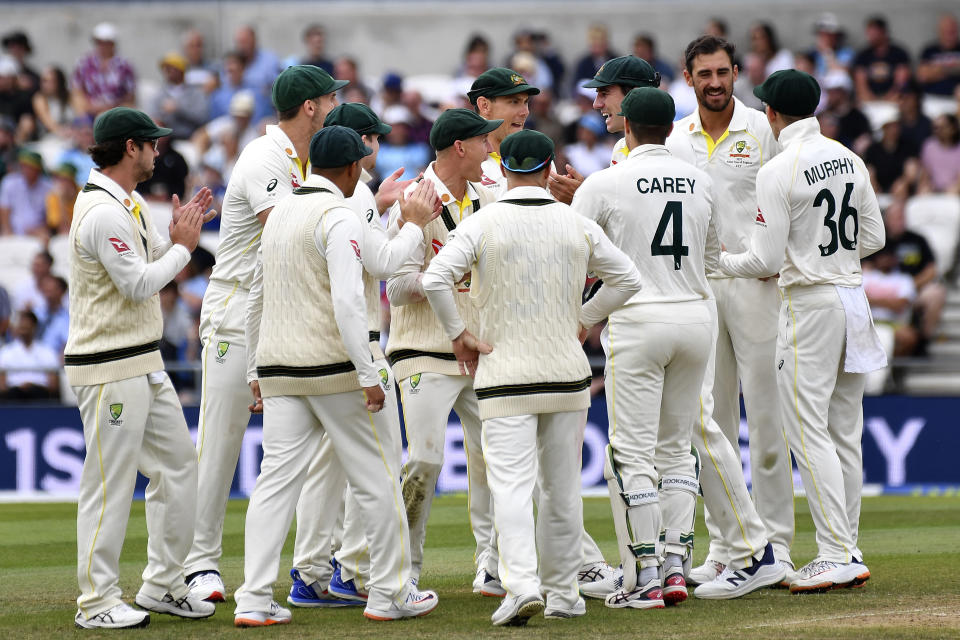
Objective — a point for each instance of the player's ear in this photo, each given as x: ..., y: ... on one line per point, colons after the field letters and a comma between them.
x: 689, y: 78
x: 671, y: 130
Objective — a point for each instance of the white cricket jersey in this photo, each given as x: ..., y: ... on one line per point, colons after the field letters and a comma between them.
x: 620, y: 152
x: 267, y: 170
x: 659, y: 211
x: 493, y: 179
x: 817, y: 216
x: 732, y: 163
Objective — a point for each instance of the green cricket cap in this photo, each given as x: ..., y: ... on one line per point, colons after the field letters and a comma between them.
x: 499, y: 81
x: 30, y: 157
x: 302, y: 82
x: 126, y: 123
x: 791, y: 92
x: 526, y: 151
x: 336, y: 146
x: 359, y: 117
x: 459, y: 124
x: 648, y: 105
x: 629, y: 71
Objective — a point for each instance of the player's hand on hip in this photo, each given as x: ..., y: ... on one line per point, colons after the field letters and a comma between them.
x: 420, y: 208
x: 467, y: 348
x: 186, y: 230
x: 562, y: 187
x: 374, y: 397
x: 257, y: 406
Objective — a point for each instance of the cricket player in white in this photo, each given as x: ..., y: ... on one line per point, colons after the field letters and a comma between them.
x: 530, y: 256
x: 323, y: 491
x: 502, y: 93
x: 307, y: 317
x: 731, y: 142
x: 422, y: 359
x: 269, y: 168
x: 132, y: 419
x: 660, y: 210
x: 818, y: 216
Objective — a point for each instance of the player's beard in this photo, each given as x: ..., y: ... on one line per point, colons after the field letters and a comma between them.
x: 145, y: 173
x: 710, y: 102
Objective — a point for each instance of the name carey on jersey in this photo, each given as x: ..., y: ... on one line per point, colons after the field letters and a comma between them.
x: 666, y: 184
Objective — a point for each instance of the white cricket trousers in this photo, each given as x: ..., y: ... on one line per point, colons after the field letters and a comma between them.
x: 744, y: 358
x: 322, y: 500
x: 426, y: 401
x: 224, y: 414
x: 293, y: 428
x: 741, y: 532
x: 656, y: 356
x: 131, y: 425
x: 822, y: 410
x: 517, y: 450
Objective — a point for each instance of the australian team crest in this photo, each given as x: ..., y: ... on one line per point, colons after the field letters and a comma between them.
x: 384, y: 379
x: 517, y: 79
x: 414, y: 383
x: 741, y: 145
x: 222, y: 347
x: 116, y: 410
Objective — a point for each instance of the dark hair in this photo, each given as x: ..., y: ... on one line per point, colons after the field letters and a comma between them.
x: 46, y: 256
x: 60, y: 282
x: 30, y: 315
x: 313, y: 28
x: 110, y: 152
x: 771, y: 35
x: 63, y: 93
x: 650, y: 133
x: 476, y: 42
x: 878, y: 21
x: 955, y: 123
x: 720, y: 24
x: 705, y: 45
x: 647, y: 39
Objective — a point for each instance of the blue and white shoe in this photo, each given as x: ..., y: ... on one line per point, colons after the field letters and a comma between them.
x: 346, y: 589
x: 733, y: 583
x: 310, y: 595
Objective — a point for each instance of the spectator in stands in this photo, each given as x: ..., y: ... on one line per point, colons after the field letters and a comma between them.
x: 27, y: 366
x: 589, y: 153
x: 6, y: 309
x: 830, y: 53
x: 717, y: 27
x: 28, y: 295
x: 476, y: 58
x: 178, y: 327
x: 15, y: 103
x: 193, y: 280
x: 644, y: 46
x: 544, y: 50
x: 523, y: 42
x: 940, y: 157
x: 854, y: 130
x: 182, y: 107
x: 23, y: 197
x: 8, y: 146
x: 391, y: 92
x: 261, y: 66
x: 199, y: 72
x: 914, y: 125
x: 420, y: 124
x: 882, y: 69
x: 170, y: 173
x: 543, y: 119
x: 81, y: 139
x: 231, y: 82
x: 53, y: 327
x: 753, y: 73
x: 397, y: 149
x: 51, y: 104
x: 346, y: 68
x: 598, y: 52
x: 61, y: 198
x: 916, y: 259
x: 892, y: 161
x: 939, y: 68
x: 315, y: 41
x: 764, y: 43
x: 17, y: 45
x: 891, y: 293
x: 218, y: 143
x: 103, y: 80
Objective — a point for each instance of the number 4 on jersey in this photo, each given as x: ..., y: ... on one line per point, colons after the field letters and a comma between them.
x: 677, y: 249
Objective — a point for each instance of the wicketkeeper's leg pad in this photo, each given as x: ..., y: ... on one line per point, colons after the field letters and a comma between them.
x: 636, y: 520
x: 678, y: 497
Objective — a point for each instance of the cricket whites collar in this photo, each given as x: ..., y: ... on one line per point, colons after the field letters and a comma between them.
x: 319, y: 181
x: 128, y: 200
x: 276, y: 134
x: 738, y: 121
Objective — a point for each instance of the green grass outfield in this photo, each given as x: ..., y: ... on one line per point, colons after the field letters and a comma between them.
x: 912, y: 547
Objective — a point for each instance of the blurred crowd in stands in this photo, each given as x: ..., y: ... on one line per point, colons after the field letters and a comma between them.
x: 897, y: 109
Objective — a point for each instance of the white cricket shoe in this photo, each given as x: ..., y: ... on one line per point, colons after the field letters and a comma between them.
x: 823, y: 575
x: 274, y: 615
x: 707, y: 572
x: 599, y: 579
x: 515, y: 611
x: 189, y: 606
x: 208, y: 586
x: 649, y: 596
x: 733, y: 583
x: 414, y: 604
x: 119, y: 616
x: 790, y: 576
x: 488, y: 585
x: 559, y: 613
